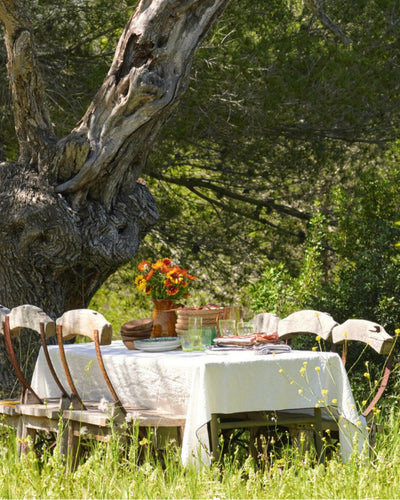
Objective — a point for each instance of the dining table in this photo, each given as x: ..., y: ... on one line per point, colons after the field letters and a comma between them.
x: 199, y: 384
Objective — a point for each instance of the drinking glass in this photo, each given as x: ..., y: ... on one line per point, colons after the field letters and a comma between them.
x: 195, y: 324
x: 243, y: 328
x: 208, y: 335
x: 186, y: 341
x: 227, y: 326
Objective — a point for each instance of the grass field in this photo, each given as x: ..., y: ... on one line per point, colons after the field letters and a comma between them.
x: 110, y: 471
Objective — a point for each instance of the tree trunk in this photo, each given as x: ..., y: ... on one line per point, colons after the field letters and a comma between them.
x: 74, y: 209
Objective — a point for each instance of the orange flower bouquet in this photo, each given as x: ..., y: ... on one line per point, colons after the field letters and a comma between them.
x: 163, y: 280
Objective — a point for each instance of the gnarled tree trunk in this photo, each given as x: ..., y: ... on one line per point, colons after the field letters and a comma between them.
x: 73, y: 210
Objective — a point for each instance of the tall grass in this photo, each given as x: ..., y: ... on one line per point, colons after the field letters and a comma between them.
x: 110, y: 471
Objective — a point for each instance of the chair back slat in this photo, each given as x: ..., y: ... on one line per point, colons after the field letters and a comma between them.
x: 49, y: 362
x: 31, y: 317
x: 103, y: 368
x: 75, y: 398
x: 364, y: 331
x: 265, y: 323
x: 306, y: 321
x: 3, y: 313
x: 85, y: 322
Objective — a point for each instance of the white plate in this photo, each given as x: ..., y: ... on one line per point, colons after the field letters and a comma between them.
x: 158, y: 344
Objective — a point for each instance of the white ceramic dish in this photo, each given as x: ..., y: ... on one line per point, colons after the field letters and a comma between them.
x: 158, y: 344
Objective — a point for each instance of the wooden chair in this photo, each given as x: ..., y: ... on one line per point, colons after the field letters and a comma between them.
x: 320, y: 421
x: 34, y: 413
x: 9, y: 408
x: 92, y: 419
x: 374, y: 336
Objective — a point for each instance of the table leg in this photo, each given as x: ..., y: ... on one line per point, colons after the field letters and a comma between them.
x: 214, y: 428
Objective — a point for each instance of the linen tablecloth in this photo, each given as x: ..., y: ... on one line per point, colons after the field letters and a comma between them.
x: 198, y: 384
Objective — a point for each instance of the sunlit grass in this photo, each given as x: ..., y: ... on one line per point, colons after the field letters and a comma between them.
x: 110, y: 471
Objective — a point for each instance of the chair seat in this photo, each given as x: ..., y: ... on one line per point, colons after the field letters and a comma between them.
x: 50, y: 409
x: 154, y: 418
x: 9, y: 413
x: 327, y: 414
x: 93, y: 415
x: 9, y: 407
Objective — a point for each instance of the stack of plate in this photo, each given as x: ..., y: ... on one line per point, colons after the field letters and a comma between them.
x: 209, y: 314
x: 136, y: 329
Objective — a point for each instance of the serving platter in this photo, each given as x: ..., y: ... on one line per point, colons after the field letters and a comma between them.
x: 158, y: 344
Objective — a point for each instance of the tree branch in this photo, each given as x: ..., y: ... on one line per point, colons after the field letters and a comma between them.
x: 32, y: 123
x: 148, y: 75
x: 268, y: 203
x: 317, y: 10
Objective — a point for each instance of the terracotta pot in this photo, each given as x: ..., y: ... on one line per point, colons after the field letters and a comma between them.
x: 164, y: 318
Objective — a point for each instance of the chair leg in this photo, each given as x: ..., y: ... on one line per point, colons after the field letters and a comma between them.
x: 73, y: 445
x: 319, y: 445
x: 24, y: 432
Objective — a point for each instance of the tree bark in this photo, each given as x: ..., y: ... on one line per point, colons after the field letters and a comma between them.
x: 74, y: 209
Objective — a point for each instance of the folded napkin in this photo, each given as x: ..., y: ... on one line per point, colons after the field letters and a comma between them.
x: 246, y: 340
x: 272, y: 348
x: 261, y: 343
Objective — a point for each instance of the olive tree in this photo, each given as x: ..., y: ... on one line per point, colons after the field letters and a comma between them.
x: 73, y: 209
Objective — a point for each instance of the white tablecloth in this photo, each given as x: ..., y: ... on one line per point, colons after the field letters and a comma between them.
x: 198, y: 384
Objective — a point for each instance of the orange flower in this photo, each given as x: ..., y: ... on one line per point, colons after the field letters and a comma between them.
x: 172, y: 290
x: 158, y: 265
x: 144, y: 266
x: 149, y: 275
